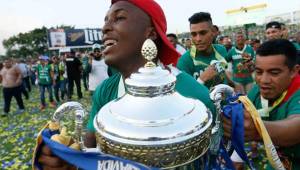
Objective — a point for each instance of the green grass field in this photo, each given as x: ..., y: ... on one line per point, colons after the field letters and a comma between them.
x: 18, y: 131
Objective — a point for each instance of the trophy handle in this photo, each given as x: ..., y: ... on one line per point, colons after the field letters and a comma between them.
x: 218, y: 93
x: 80, y: 114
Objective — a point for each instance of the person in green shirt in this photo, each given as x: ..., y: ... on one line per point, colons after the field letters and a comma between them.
x: 127, y: 25
x: 277, y: 98
x: 45, y: 78
x: 198, y: 61
x: 241, y: 56
x: 57, y: 71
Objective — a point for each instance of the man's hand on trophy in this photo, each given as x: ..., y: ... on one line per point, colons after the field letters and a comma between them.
x: 208, y: 74
x: 250, y: 132
x: 52, y: 162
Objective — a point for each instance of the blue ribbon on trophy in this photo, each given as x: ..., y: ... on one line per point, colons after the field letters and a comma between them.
x: 221, y: 159
x: 235, y: 111
x: 86, y: 160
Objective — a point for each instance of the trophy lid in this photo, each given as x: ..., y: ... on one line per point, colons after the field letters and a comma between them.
x: 150, y: 80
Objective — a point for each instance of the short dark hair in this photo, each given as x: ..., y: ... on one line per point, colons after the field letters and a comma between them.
x: 216, y: 27
x: 255, y: 40
x: 200, y: 17
x: 273, y: 24
x: 279, y: 47
x: 172, y: 35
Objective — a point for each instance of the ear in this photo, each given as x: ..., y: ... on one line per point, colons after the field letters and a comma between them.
x: 151, y: 33
x: 295, y: 70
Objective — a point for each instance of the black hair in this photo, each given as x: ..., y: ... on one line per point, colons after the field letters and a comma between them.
x: 172, y: 35
x: 216, y: 27
x: 200, y: 17
x: 255, y: 40
x: 273, y: 24
x: 279, y: 47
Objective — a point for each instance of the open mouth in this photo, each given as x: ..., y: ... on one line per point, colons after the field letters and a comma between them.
x: 109, y: 43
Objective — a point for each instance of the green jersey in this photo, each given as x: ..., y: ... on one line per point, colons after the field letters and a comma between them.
x: 58, y: 70
x: 290, y: 107
x: 241, y: 74
x: 297, y: 45
x: 195, y: 64
x: 109, y: 89
x: 44, y: 74
x: 85, y: 63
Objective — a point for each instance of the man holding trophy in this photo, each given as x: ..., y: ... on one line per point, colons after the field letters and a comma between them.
x: 127, y: 25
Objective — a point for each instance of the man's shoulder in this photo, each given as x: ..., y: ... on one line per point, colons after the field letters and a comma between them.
x: 220, y: 49
x: 189, y: 87
x: 108, y: 84
x: 185, y: 59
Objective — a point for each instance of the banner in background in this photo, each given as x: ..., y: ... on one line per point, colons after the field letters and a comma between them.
x: 73, y: 38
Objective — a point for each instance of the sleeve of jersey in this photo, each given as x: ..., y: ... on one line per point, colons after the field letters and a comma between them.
x: 96, y: 106
x: 228, y: 57
x: 294, y: 104
x: 185, y: 64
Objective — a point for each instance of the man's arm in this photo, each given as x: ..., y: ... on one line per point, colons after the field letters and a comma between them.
x: 285, y: 132
x: 19, y: 75
x: 282, y: 132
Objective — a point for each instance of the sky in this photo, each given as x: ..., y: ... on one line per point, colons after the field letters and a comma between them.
x: 24, y: 15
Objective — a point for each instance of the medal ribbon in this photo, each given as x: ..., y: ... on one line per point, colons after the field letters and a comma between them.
x: 269, y: 146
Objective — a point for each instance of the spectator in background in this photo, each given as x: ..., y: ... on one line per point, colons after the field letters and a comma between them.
x: 284, y: 31
x: 25, y: 77
x: 85, y: 74
x: 174, y: 41
x: 217, y: 34
x: 273, y: 30
x: 188, y: 44
x: 241, y: 56
x: 226, y: 42
x: 200, y: 61
x: 45, y: 80
x: 255, y: 43
x: 58, y: 69
x: 11, y: 78
x: 97, y: 69
x: 74, y: 70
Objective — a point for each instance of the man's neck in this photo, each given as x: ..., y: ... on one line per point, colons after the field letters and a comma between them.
x: 131, y: 66
x: 240, y: 46
x: 206, y: 52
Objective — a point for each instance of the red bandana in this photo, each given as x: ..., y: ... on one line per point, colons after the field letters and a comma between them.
x: 168, y: 54
x: 294, y: 86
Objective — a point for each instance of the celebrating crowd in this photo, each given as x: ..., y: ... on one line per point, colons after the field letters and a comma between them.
x: 266, y: 71
x: 56, y: 74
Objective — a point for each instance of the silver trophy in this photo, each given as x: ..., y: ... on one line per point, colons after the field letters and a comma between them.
x: 152, y: 123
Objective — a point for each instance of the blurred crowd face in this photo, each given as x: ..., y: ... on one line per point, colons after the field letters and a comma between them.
x: 284, y: 32
x: 97, y: 53
x: 8, y: 63
x: 227, y: 42
x: 173, y: 41
x: 188, y: 43
x: 240, y: 39
x: 55, y: 59
x: 202, y: 35
x: 273, y: 33
x: 273, y: 75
